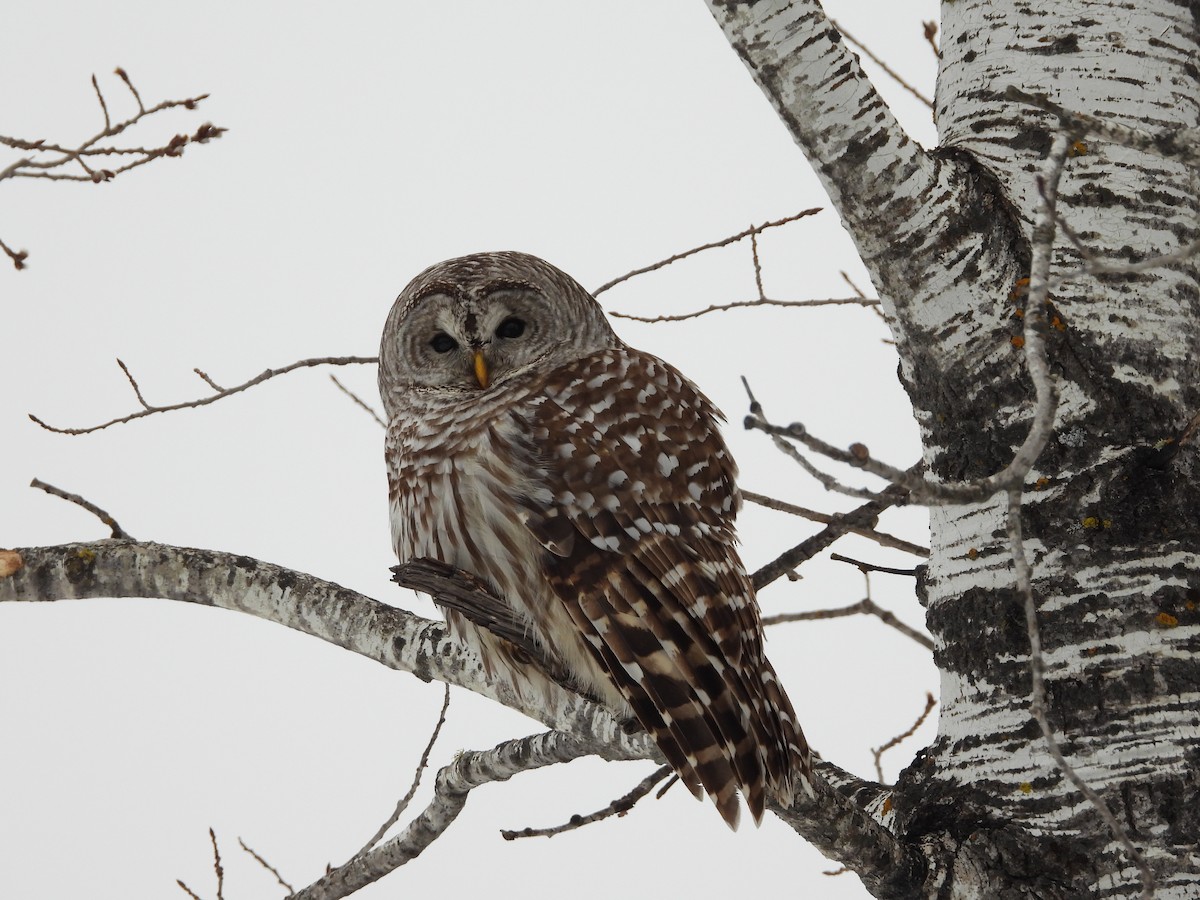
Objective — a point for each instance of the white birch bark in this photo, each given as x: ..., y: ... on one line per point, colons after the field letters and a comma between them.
x: 1110, y: 518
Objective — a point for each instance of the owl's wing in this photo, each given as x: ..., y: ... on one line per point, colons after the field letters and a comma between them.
x: 640, y: 550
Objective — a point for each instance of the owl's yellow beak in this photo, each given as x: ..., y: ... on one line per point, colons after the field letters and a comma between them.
x: 481, y: 369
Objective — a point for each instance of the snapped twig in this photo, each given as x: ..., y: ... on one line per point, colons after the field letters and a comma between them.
x: 618, y: 807
x: 865, y: 567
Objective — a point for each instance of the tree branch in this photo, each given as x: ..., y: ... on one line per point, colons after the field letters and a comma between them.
x: 842, y: 125
x: 880, y: 537
x: 840, y: 823
x: 724, y: 242
x: 453, y: 785
x: 45, y: 158
x: 220, y: 393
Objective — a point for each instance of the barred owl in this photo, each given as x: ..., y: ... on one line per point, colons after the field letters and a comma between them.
x: 587, y: 484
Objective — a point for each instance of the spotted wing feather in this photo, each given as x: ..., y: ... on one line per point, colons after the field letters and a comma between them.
x: 641, y: 551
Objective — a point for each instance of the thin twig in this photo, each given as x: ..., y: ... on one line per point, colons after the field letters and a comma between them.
x: 103, y: 105
x: 863, y: 517
x: 758, y: 282
x: 136, y: 389
x: 741, y: 304
x: 18, y: 257
x: 878, y: 752
x: 188, y: 890
x: 880, y: 537
x: 865, y: 567
x: 118, y: 532
x: 270, y: 868
x: 416, y: 782
x: 930, y: 30
x: 124, y: 76
x: 204, y: 401
x: 204, y: 377
x: 879, y: 62
x: 454, y: 782
x: 1181, y: 144
x: 1093, y: 265
x: 359, y: 400
x: 866, y: 606
x: 618, y: 807
x: 217, y: 865
x: 712, y: 246
x: 38, y: 165
x: 1038, y: 364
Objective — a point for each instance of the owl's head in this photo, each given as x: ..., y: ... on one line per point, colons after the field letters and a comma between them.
x: 480, y: 322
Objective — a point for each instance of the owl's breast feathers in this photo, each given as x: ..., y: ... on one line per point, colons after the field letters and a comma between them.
x: 625, y: 493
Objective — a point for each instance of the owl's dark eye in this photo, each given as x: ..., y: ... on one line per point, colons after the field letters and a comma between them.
x: 512, y: 327
x: 443, y: 343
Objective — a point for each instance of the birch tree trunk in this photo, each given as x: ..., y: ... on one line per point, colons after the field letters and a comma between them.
x: 1111, y: 513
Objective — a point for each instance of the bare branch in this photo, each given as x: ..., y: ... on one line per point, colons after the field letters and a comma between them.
x: 124, y: 76
x: 386, y: 634
x: 46, y: 159
x: 1093, y: 265
x: 888, y: 70
x: 863, y: 517
x: 741, y: 235
x: 454, y: 782
x: 618, y: 807
x: 187, y: 890
x: 117, y: 531
x: 758, y: 282
x: 930, y: 30
x: 866, y: 567
x: 416, y: 782
x: 742, y: 304
x: 270, y: 868
x: 204, y: 377
x: 838, y: 823
x: 18, y: 257
x: 217, y: 865
x: 878, y: 752
x: 137, y: 391
x: 880, y: 537
x: 362, y: 404
x: 866, y: 606
x: 103, y: 105
x: 219, y: 395
x: 1039, y: 280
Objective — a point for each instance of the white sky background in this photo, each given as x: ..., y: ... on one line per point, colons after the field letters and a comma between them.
x: 365, y: 143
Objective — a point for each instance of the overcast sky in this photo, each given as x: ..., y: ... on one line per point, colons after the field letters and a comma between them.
x: 366, y: 142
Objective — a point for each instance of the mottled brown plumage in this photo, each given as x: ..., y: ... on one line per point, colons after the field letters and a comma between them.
x: 588, y: 484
